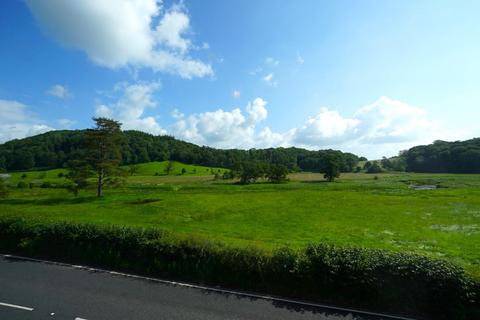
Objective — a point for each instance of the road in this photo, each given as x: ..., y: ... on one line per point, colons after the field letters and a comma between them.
x: 39, y: 290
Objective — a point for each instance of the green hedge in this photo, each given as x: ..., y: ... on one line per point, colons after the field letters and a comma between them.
x: 374, y: 279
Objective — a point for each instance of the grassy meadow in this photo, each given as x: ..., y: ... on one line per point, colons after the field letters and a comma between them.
x: 375, y: 211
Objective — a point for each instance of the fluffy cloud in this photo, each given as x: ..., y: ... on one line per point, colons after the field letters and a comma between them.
x: 130, y: 107
x: 120, y: 33
x: 223, y: 129
x: 171, y: 28
x: 380, y: 129
x: 58, y: 91
x: 270, y: 80
x: 17, y: 122
x: 326, y: 126
x: 256, y: 111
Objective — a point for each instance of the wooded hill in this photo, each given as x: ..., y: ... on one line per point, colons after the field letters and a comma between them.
x: 442, y: 156
x: 55, y: 148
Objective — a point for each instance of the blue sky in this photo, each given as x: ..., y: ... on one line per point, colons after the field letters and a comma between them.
x: 370, y: 77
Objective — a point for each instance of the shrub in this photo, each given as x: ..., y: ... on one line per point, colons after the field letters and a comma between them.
x: 22, y: 185
x: 3, y: 189
x: 395, y: 282
x: 374, y: 168
x: 46, y: 184
x: 229, y: 174
x: 277, y: 173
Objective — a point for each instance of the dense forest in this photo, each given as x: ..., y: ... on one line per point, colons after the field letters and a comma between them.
x: 55, y: 148
x: 442, y: 156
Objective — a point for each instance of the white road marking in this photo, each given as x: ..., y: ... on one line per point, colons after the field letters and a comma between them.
x: 15, y: 306
x: 77, y: 318
x: 212, y: 289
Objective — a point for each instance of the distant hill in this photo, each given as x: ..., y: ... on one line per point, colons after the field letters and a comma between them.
x: 442, y: 156
x: 55, y: 148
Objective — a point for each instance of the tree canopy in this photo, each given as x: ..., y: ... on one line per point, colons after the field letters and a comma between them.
x: 442, y: 156
x: 55, y: 148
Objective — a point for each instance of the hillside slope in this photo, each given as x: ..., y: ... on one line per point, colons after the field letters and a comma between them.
x: 55, y: 148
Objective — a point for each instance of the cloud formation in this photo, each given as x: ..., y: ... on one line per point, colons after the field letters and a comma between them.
x: 380, y: 129
x: 17, y: 122
x: 270, y: 80
x: 223, y: 129
x: 121, y: 33
x: 59, y: 91
x: 131, y: 105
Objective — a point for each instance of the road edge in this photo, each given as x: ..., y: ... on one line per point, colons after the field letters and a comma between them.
x: 207, y: 288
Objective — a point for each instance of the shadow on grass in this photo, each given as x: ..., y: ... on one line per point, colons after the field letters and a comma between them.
x: 316, y: 181
x: 143, y: 201
x: 49, y: 201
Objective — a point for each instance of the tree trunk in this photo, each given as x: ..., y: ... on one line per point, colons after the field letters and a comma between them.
x: 100, y: 183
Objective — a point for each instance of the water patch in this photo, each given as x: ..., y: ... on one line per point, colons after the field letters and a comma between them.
x: 424, y: 187
x: 464, y: 228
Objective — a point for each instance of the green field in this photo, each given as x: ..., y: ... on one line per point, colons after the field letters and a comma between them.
x: 357, y: 210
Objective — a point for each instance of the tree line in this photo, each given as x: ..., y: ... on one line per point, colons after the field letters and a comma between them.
x: 442, y: 156
x: 56, y: 149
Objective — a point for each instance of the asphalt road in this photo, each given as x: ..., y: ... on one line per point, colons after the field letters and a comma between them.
x: 36, y: 290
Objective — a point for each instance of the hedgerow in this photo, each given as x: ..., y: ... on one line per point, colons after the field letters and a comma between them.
x: 378, y: 280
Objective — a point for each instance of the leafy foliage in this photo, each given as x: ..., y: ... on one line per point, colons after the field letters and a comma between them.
x: 442, y: 156
x: 169, y: 167
x: 54, y: 149
x: 395, y: 282
x: 277, y: 173
x: 249, y: 171
x: 3, y: 188
x: 331, y: 167
x: 78, y: 174
x: 103, y: 151
x: 372, y: 167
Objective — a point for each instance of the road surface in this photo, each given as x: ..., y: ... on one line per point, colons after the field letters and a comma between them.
x: 40, y: 290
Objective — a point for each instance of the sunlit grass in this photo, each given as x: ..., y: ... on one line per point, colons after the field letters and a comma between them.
x: 357, y: 210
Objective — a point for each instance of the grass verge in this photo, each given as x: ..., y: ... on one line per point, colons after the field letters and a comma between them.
x: 375, y: 279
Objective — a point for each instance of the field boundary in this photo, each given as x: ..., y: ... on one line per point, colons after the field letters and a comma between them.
x: 208, y: 288
x: 359, y: 279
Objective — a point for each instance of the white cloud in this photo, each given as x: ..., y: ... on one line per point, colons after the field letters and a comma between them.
x: 326, y: 126
x: 17, y: 122
x: 379, y: 129
x: 130, y: 107
x: 121, y: 33
x: 103, y: 111
x: 256, y: 111
x: 58, y: 91
x: 269, y: 79
x: 223, y: 129
x: 171, y: 28
x: 236, y: 94
x: 176, y: 114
